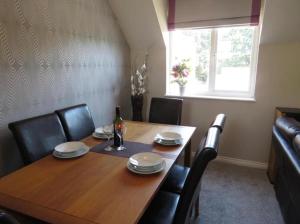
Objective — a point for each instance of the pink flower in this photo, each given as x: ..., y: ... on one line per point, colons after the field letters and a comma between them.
x: 185, y: 73
x: 180, y: 70
x: 175, y: 74
x: 176, y: 68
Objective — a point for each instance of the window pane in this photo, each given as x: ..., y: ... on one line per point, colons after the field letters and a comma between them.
x: 194, y: 47
x: 213, y: 62
x: 234, y: 49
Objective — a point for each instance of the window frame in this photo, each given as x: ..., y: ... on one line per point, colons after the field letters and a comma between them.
x: 212, y: 92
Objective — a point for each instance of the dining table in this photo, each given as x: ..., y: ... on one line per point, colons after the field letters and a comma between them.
x: 96, y: 188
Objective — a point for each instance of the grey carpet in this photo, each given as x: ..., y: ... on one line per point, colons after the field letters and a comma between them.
x: 237, y: 195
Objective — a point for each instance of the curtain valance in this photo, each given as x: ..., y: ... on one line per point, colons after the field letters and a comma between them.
x: 212, y: 13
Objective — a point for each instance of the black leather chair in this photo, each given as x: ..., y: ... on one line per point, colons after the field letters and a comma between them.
x: 177, y: 176
x: 286, y: 145
x: 165, y: 111
x: 77, y: 122
x: 36, y: 137
x: 219, y: 122
x: 172, y: 208
x: 5, y: 218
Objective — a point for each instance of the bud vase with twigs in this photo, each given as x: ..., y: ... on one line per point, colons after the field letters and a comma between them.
x: 138, y: 89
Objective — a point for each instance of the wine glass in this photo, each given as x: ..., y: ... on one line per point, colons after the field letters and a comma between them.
x: 108, y: 130
x: 121, y: 132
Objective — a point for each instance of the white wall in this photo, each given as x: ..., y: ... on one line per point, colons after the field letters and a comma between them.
x: 282, y: 21
x: 161, y: 9
x: 248, y: 128
x: 139, y: 23
x: 143, y: 22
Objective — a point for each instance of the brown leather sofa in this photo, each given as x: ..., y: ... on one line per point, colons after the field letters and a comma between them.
x: 286, y: 142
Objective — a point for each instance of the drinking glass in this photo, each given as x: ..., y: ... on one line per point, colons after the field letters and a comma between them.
x: 121, y: 134
x: 107, y: 130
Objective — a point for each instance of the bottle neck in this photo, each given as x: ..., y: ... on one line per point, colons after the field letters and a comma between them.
x: 118, y: 112
x: 118, y: 123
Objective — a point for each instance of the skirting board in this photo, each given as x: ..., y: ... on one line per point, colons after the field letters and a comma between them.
x: 242, y: 162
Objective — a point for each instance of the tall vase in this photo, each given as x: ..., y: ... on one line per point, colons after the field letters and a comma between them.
x: 137, y: 107
x: 181, y: 90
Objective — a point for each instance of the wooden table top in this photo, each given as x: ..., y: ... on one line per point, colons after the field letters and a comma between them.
x: 95, y: 188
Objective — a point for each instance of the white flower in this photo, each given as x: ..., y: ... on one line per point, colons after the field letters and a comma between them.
x: 138, y: 78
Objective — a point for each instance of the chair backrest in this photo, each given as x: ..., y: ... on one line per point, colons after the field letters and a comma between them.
x: 36, y: 137
x: 219, y: 122
x: 192, y: 185
x: 77, y: 122
x: 5, y: 218
x: 165, y: 111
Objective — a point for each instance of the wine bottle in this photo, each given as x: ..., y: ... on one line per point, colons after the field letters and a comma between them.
x: 118, y: 128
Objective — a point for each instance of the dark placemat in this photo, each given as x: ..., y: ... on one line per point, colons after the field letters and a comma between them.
x: 131, y: 149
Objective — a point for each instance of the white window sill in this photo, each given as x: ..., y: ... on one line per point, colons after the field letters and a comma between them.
x: 244, y: 99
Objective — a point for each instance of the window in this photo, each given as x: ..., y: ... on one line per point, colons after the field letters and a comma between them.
x: 219, y: 62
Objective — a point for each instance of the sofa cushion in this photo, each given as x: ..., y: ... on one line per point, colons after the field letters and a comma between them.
x: 296, y: 144
x: 288, y: 127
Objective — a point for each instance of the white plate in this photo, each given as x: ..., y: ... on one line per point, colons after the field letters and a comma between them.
x: 169, y: 136
x: 167, y: 143
x: 145, y: 159
x: 107, y: 129
x: 146, y: 172
x: 102, y: 136
x: 69, y: 147
x: 70, y: 153
x: 69, y: 156
x: 146, y: 168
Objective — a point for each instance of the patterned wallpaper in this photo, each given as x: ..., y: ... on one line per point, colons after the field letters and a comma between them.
x: 57, y: 53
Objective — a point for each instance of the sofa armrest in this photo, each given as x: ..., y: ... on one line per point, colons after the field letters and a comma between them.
x: 287, y: 150
x: 288, y: 126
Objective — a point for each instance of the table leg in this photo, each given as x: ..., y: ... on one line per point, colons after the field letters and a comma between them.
x: 187, y: 154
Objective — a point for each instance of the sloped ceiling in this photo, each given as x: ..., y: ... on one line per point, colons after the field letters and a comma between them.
x: 139, y: 22
x: 142, y: 21
x: 281, y: 21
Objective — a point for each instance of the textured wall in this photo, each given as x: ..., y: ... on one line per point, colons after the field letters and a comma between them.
x: 56, y: 53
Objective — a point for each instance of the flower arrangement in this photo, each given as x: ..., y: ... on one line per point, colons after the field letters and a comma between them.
x: 180, y: 72
x: 138, y: 78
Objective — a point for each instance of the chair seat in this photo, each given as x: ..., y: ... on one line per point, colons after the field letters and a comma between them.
x: 162, y: 209
x: 5, y: 218
x: 176, y: 178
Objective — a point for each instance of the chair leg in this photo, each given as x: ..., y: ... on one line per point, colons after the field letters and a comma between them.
x: 187, y: 154
x: 197, y: 204
x: 191, y: 214
x: 197, y: 208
